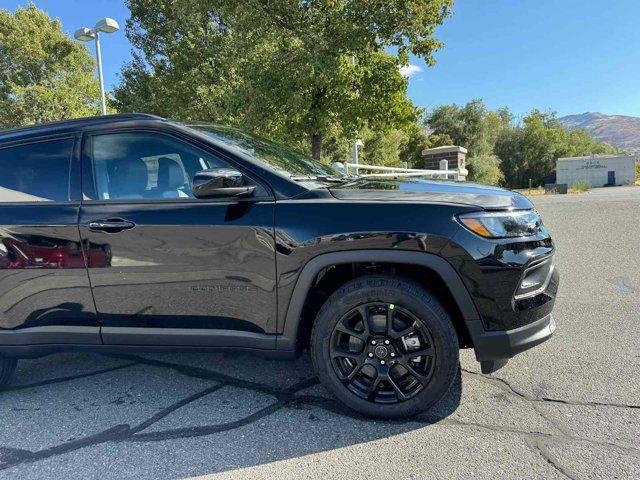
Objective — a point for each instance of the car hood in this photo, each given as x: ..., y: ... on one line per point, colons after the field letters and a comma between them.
x: 419, y: 190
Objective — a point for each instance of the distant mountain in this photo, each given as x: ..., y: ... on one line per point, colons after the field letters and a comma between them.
x: 618, y: 130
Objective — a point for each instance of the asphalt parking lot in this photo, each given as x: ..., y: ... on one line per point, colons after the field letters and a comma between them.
x: 569, y: 408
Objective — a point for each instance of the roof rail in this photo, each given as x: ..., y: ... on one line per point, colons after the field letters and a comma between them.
x: 88, y: 120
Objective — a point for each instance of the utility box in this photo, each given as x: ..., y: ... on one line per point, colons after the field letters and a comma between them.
x: 597, y: 170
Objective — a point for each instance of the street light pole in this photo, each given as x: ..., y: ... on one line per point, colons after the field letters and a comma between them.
x: 84, y: 34
x: 100, y: 77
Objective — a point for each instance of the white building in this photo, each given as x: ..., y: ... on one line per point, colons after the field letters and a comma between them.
x: 597, y: 170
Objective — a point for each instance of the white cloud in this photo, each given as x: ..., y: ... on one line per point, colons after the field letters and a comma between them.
x: 410, y: 70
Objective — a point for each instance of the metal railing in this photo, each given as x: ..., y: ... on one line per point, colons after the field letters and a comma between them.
x: 456, y: 174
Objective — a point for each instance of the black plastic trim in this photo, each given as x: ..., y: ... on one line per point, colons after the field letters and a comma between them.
x: 190, y: 337
x: 499, y: 345
x: 50, y: 334
x: 35, y: 351
x: 288, y: 339
x: 38, y: 341
x: 527, y: 271
x: 490, y: 366
x: 75, y: 171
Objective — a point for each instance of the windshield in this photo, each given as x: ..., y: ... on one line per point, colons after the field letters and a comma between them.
x: 283, y: 159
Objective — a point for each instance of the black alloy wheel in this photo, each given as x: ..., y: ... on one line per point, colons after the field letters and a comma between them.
x: 385, y: 346
x: 382, y: 353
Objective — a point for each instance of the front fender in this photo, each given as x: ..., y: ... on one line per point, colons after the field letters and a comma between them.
x: 287, y: 339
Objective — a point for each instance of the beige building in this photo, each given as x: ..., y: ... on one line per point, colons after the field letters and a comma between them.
x: 597, y: 170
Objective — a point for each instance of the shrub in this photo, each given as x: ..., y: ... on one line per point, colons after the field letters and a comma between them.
x: 485, y: 169
x: 580, y: 187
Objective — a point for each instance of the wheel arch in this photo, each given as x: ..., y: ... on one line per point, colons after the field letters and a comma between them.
x: 288, y: 340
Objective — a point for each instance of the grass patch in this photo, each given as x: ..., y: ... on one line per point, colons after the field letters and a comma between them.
x: 580, y: 187
x: 531, y: 192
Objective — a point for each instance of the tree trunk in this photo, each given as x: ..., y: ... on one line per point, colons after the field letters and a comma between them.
x: 316, y: 145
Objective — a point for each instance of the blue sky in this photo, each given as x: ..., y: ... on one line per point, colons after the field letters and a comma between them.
x: 569, y: 56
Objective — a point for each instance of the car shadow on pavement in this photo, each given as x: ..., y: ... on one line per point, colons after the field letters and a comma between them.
x: 64, y: 403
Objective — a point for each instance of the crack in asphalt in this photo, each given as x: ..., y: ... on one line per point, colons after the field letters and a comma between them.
x: 65, y: 379
x: 504, y: 385
x: 202, y: 373
x: 11, y: 457
x: 172, y: 408
x: 200, y: 431
x: 284, y: 398
x: 542, y: 450
x: 425, y: 419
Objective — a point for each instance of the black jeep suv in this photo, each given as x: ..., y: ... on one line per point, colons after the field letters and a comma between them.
x: 133, y: 232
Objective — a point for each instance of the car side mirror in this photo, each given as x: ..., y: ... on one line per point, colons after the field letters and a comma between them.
x: 220, y: 183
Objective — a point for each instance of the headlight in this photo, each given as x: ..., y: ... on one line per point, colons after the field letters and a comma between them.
x: 519, y: 223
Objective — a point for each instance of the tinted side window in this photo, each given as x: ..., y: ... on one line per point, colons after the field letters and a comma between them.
x: 37, y: 172
x: 145, y: 165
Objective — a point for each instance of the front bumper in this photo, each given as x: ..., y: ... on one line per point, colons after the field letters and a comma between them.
x: 513, y: 284
x: 494, y: 348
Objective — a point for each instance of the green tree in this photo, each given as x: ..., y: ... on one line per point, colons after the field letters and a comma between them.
x: 485, y: 169
x: 477, y: 129
x: 383, y: 147
x: 418, y: 140
x: 473, y: 126
x: 530, y: 150
x: 495, y: 122
x: 509, y: 149
x: 391, y: 147
x: 294, y: 71
x: 44, y: 75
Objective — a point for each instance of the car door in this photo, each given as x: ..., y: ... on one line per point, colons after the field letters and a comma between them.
x: 182, y: 271
x: 45, y: 295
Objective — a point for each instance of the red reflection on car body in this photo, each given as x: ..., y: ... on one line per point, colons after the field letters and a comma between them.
x: 21, y: 255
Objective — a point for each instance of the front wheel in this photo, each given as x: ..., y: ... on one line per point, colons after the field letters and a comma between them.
x: 385, y: 347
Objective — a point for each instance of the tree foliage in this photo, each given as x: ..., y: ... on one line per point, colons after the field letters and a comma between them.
x: 485, y: 169
x: 298, y: 71
x: 502, y: 151
x: 44, y: 75
x: 530, y: 150
x: 397, y: 147
x: 417, y: 140
x: 473, y: 126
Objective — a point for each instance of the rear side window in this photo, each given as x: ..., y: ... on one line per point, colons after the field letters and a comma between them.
x: 37, y: 172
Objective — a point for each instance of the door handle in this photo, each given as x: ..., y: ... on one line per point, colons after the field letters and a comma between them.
x: 111, y: 225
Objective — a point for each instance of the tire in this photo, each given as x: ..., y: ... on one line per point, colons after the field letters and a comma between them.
x: 7, y: 367
x: 406, y: 301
